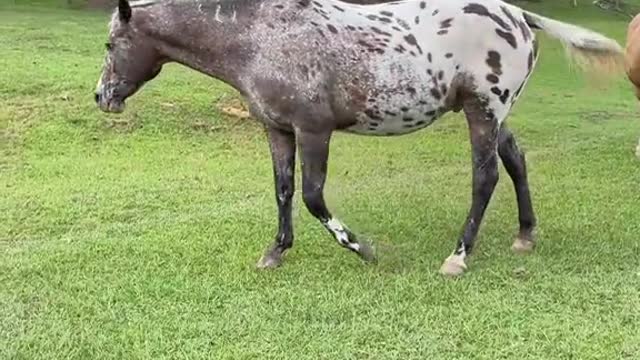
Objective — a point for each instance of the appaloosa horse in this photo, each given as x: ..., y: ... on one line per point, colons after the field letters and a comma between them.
x: 632, y: 60
x: 309, y: 68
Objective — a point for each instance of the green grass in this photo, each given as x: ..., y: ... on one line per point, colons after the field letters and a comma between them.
x: 135, y: 236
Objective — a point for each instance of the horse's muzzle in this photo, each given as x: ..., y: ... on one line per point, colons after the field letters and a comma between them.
x: 109, y: 105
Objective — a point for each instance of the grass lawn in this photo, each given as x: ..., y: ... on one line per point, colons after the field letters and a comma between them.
x: 135, y: 236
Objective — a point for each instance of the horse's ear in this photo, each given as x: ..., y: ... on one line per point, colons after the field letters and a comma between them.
x: 124, y: 10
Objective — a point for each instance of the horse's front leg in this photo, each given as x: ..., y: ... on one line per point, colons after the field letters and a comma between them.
x: 314, y: 149
x: 283, y: 153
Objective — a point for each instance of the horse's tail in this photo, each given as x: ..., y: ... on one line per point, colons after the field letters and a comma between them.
x: 586, y: 48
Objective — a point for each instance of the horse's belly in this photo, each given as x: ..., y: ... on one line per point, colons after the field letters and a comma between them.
x: 388, y: 119
x: 406, y: 95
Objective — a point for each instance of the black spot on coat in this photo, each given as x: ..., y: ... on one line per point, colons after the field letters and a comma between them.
x: 505, y: 96
x: 492, y: 78
x: 510, y: 16
x: 380, y: 32
x: 412, y: 41
x: 444, y: 24
x: 372, y: 114
x: 526, y: 33
x: 481, y: 10
x: 403, y: 24
x: 508, y: 37
x: 493, y: 60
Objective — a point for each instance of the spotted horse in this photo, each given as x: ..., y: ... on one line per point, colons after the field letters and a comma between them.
x: 308, y: 68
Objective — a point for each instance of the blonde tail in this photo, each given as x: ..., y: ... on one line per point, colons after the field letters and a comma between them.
x: 588, y: 49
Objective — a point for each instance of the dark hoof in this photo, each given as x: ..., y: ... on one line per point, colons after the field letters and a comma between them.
x: 271, y: 259
x: 367, y: 252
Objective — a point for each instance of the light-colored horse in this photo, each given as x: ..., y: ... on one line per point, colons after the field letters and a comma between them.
x: 632, y: 60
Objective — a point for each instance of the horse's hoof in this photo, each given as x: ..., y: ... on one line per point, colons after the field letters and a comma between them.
x: 453, y: 266
x: 270, y: 260
x: 367, y: 252
x: 523, y: 246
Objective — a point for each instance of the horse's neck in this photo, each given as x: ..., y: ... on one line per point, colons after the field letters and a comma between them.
x: 207, y: 36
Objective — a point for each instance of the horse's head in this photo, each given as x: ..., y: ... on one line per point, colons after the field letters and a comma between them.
x: 131, y: 61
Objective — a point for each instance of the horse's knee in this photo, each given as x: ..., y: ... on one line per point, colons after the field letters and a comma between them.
x: 284, y: 190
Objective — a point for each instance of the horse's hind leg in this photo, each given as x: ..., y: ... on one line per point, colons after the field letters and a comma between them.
x: 283, y: 153
x: 314, y: 151
x: 483, y: 130
x: 514, y: 161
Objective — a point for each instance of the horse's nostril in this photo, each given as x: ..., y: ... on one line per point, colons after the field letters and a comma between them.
x: 97, y: 97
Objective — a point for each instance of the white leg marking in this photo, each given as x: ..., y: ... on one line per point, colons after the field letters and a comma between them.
x: 336, y: 227
x: 217, y: 15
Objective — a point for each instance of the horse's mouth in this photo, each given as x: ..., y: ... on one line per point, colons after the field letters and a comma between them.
x: 114, y: 106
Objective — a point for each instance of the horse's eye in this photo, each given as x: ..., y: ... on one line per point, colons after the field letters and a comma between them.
x: 108, y: 46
